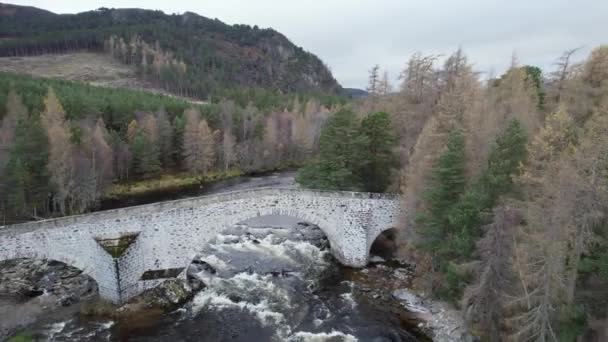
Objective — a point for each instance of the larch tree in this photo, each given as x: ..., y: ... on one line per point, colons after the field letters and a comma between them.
x: 384, y: 86
x: 60, y: 164
x: 273, y: 148
x: 543, y: 242
x: 228, y: 150
x: 198, y: 146
x: 102, y: 156
x: 562, y: 72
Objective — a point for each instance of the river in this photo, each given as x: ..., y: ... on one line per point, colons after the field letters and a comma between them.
x: 267, y: 279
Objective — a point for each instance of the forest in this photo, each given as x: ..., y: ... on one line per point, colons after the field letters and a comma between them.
x: 188, y: 55
x: 505, y: 189
x: 504, y: 184
x: 63, y: 144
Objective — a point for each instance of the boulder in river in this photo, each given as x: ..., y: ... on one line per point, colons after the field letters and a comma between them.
x: 168, y: 295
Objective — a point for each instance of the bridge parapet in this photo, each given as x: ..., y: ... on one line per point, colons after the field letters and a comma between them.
x: 184, y: 203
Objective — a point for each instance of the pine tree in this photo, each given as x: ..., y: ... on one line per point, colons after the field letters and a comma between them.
x: 466, y: 217
x: 145, y: 156
x: 27, y: 175
x: 447, y: 185
x: 379, y: 158
x: 339, y: 157
x: 165, y: 138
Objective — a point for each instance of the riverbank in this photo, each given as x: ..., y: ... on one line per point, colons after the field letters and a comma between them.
x: 167, y: 182
x: 387, y: 284
x: 172, y: 187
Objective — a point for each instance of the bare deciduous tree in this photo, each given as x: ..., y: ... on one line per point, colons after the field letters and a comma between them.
x: 198, y: 146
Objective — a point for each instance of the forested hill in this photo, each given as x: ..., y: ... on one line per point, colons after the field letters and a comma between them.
x: 186, y: 54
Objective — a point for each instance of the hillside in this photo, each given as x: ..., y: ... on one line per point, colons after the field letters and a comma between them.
x: 187, y: 54
x: 98, y: 69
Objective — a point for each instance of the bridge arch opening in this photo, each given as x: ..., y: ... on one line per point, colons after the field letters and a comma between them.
x: 265, y: 244
x: 385, y: 244
x: 30, y: 287
x: 25, y: 278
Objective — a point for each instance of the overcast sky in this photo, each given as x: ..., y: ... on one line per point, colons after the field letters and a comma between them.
x: 353, y: 35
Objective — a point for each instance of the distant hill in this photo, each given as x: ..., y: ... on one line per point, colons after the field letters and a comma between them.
x: 355, y: 93
x: 187, y: 55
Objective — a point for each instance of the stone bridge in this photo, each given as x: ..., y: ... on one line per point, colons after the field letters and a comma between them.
x: 133, y: 249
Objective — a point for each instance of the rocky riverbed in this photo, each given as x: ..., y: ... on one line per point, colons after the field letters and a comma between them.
x: 31, y: 289
x: 281, y: 284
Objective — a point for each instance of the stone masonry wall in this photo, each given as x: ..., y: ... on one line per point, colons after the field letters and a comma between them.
x: 171, y: 233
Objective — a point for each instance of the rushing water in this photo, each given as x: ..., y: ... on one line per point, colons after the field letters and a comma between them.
x: 267, y: 279
x: 271, y: 279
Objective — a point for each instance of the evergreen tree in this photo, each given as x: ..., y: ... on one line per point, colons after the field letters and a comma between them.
x: 27, y: 175
x: 378, y: 157
x: 447, y: 185
x: 466, y: 217
x: 145, y: 156
x: 340, y: 157
x: 165, y: 138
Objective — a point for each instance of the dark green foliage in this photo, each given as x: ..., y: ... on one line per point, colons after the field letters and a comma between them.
x: 454, y: 285
x: 536, y: 75
x: 26, y: 173
x: 447, y: 185
x: 595, y: 262
x: 23, y: 336
x: 115, y: 106
x: 145, y: 156
x: 572, y: 324
x: 452, y: 225
x: 339, y: 158
x: 378, y: 156
x: 353, y: 156
x: 468, y: 215
x: 506, y: 155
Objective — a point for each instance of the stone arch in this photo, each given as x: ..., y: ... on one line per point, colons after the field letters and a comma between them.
x: 45, y: 256
x: 304, y: 215
x: 67, y: 260
x: 98, y: 268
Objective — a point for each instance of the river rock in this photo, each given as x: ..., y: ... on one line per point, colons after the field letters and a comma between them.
x: 23, y: 279
x: 410, y: 301
x: 168, y: 295
x: 376, y: 259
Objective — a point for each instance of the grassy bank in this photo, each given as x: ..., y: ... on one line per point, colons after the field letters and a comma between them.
x: 167, y: 181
